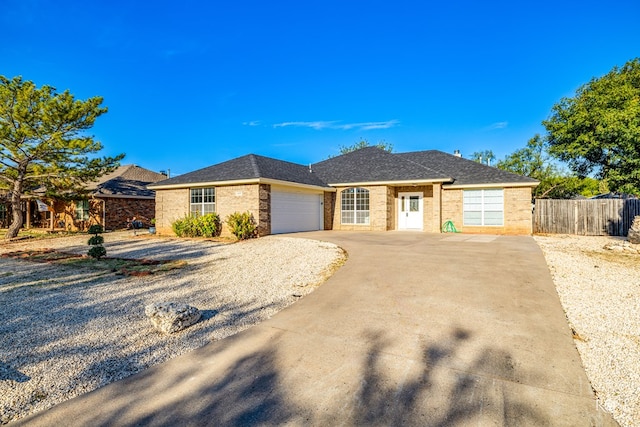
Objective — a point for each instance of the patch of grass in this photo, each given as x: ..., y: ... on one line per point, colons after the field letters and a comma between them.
x: 36, y: 234
x: 627, y: 259
x: 125, y: 266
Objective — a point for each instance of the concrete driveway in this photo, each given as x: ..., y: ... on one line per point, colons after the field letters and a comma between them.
x: 415, y: 329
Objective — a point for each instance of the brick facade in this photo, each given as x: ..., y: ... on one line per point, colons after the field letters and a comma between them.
x: 173, y: 204
x: 439, y: 205
x: 518, y: 218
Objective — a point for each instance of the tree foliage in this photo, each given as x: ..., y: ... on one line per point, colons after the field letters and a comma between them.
x: 363, y: 143
x: 535, y: 162
x: 598, y: 130
x: 43, y: 142
x: 485, y: 157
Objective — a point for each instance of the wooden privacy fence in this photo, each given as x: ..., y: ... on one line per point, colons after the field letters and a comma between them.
x: 598, y: 217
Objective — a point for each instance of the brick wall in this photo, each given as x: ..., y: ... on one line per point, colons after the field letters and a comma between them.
x: 518, y: 218
x: 170, y: 205
x: 378, y: 210
x: 427, y: 205
x: 329, y: 209
x: 118, y: 210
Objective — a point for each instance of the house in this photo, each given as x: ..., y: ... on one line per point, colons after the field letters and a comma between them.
x: 367, y: 189
x: 110, y: 201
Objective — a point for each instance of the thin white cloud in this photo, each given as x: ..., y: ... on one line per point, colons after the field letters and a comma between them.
x: 497, y: 125
x: 335, y: 124
x: 319, y: 125
x: 252, y: 123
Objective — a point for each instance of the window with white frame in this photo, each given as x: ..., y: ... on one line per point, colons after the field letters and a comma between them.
x: 483, y: 207
x: 82, y: 210
x: 355, y: 206
x: 203, y: 201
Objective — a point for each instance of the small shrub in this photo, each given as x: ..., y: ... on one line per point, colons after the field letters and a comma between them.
x: 208, y: 225
x: 96, y: 251
x: 242, y: 225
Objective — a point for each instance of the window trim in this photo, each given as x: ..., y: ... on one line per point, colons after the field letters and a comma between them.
x: 202, y: 204
x: 483, y: 208
x: 356, y: 202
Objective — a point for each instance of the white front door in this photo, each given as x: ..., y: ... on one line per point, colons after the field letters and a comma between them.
x: 410, y: 211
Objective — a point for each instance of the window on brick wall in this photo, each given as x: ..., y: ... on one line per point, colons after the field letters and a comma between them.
x: 483, y: 207
x: 203, y: 201
x: 82, y: 210
x: 355, y: 206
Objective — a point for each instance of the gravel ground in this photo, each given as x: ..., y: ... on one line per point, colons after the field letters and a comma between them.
x: 66, y: 331
x: 598, y: 281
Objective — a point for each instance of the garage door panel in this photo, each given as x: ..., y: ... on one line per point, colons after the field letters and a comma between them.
x: 291, y: 212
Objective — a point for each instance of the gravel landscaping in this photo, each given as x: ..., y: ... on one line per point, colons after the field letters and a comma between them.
x: 598, y: 281
x: 66, y: 331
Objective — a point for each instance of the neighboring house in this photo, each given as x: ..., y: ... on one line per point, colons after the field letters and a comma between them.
x: 111, y: 201
x: 367, y: 189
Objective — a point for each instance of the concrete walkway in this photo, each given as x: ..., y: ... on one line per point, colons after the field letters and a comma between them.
x: 415, y: 329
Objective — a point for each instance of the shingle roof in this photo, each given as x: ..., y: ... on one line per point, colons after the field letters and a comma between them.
x: 464, y: 171
x: 370, y: 164
x: 373, y: 164
x: 247, y: 167
x: 128, y: 180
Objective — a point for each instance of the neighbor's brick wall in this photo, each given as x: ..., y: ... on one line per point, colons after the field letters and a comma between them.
x: 170, y: 205
x: 517, y: 212
x: 119, y: 210
x: 378, y: 212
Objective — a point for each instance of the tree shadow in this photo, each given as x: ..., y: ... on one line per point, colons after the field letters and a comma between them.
x: 253, y: 390
x: 9, y: 373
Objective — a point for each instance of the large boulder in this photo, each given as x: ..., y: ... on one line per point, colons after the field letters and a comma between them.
x: 170, y: 317
x: 634, y: 231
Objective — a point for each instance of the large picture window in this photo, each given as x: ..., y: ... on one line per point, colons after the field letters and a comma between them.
x: 355, y: 206
x: 484, y: 207
x: 203, y: 201
x: 82, y: 210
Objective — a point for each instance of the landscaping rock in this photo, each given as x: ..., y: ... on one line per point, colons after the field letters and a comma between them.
x: 634, y: 231
x: 170, y: 317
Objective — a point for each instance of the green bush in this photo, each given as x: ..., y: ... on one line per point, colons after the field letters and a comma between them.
x: 96, y: 251
x: 208, y: 225
x: 242, y: 225
x: 95, y: 240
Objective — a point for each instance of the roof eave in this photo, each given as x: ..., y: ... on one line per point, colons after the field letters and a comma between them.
x: 239, y: 182
x: 491, y: 185
x: 391, y: 183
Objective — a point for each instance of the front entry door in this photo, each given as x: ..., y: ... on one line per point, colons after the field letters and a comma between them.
x: 410, y: 211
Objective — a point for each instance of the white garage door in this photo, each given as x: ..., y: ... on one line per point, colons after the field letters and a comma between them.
x: 291, y: 212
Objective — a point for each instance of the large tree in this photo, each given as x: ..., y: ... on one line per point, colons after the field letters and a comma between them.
x: 535, y: 162
x: 598, y: 130
x: 43, y: 142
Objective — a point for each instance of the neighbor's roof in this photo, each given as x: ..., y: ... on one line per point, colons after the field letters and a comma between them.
x: 373, y: 164
x: 464, y: 171
x: 249, y: 167
x: 126, y: 181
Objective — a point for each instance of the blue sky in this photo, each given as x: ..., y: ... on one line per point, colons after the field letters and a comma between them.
x: 193, y: 83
